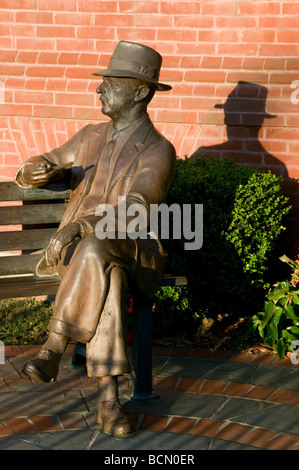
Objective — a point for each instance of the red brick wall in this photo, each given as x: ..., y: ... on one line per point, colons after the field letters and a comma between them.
x: 49, y: 50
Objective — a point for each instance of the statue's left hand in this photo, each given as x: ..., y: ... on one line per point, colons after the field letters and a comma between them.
x: 62, y: 238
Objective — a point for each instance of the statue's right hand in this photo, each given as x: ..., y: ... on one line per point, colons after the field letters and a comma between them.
x: 38, y: 174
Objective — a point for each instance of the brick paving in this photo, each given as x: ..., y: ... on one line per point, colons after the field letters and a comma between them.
x: 221, y: 399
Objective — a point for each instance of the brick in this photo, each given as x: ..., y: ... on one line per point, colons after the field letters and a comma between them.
x: 47, y: 58
x: 5, y: 431
x: 268, y: 8
x: 45, y: 423
x: 260, y: 392
x: 37, y: 44
x: 258, y: 437
x: 8, y: 56
x: 75, y: 19
x: 192, y: 21
x: 289, y: 397
x: 220, y: 8
x: 72, y: 421
x: 236, y: 22
x: 69, y: 382
x: 34, y: 17
x: 19, y: 4
x: 96, y: 6
x: 277, y: 50
x: 95, y: 32
x: 57, y: 5
x: 153, y: 422
x: 222, y: 355
x: 236, y: 389
x: 35, y: 84
x: 238, y: 49
x: 30, y: 350
x: 206, y: 427
x: 180, y: 8
x: 140, y: 34
x: 205, y: 76
x: 11, y: 69
x: 180, y: 425
x: 44, y: 71
x: 233, y: 432
x: 74, y: 99
x: 282, y: 442
x: 212, y: 386
x: 12, y: 351
x: 165, y: 383
x: 189, y: 385
x: 19, y: 425
x: 34, y: 97
x: 287, y: 36
x: 142, y: 7
x: 52, y: 112
x: 259, y: 36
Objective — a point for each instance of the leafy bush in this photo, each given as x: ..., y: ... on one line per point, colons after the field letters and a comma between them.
x: 172, y: 315
x: 243, y: 211
x: 278, y: 324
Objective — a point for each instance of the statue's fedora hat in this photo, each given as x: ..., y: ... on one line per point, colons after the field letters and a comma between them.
x: 133, y: 60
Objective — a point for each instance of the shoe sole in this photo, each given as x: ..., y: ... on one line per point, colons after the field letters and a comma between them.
x: 33, y: 373
x: 115, y: 435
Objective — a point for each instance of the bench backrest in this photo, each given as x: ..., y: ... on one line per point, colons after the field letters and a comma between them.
x: 27, y: 228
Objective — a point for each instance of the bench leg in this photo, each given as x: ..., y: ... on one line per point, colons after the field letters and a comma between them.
x: 142, y: 348
x: 79, y: 356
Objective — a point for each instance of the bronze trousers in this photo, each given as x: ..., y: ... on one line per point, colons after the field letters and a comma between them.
x: 91, y: 301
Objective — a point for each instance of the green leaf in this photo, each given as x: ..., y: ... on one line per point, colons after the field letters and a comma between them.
x: 285, y: 259
x: 269, y: 312
x: 288, y: 337
x: 281, y: 348
x: 293, y: 329
x: 295, y: 299
x: 261, y: 330
x: 252, y: 324
x: 277, y: 315
x: 272, y: 330
x: 290, y: 312
x: 277, y: 294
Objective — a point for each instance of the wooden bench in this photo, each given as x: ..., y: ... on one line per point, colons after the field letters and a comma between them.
x: 29, y: 218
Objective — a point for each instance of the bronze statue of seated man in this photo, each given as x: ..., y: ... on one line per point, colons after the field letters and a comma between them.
x: 127, y: 157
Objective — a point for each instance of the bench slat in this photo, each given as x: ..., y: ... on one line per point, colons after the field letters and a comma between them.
x: 175, y: 280
x: 27, y: 286
x: 19, y: 264
x: 9, y: 191
x: 26, y: 239
x: 32, y: 214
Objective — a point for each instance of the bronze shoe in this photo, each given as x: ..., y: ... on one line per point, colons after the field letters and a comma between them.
x: 112, y: 420
x: 44, y: 366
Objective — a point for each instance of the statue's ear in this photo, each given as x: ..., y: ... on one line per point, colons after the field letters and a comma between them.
x: 142, y: 93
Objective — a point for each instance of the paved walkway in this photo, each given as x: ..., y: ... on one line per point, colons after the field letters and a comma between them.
x: 207, y: 401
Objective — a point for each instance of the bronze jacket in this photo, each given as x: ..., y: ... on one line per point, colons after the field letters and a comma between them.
x: 142, y: 172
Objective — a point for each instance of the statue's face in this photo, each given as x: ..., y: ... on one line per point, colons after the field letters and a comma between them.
x: 117, y: 95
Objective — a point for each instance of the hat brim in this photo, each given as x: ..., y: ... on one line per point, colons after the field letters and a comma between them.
x: 129, y: 74
x: 266, y: 115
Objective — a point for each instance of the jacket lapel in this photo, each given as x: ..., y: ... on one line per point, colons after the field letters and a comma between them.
x: 132, y: 148
x: 91, y: 153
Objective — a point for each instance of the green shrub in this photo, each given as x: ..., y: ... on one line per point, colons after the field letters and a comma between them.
x: 172, y: 315
x: 243, y: 211
x: 278, y: 324
x: 24, y: 321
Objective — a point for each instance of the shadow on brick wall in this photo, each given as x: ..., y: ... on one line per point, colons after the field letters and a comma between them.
x: 245, y: 112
